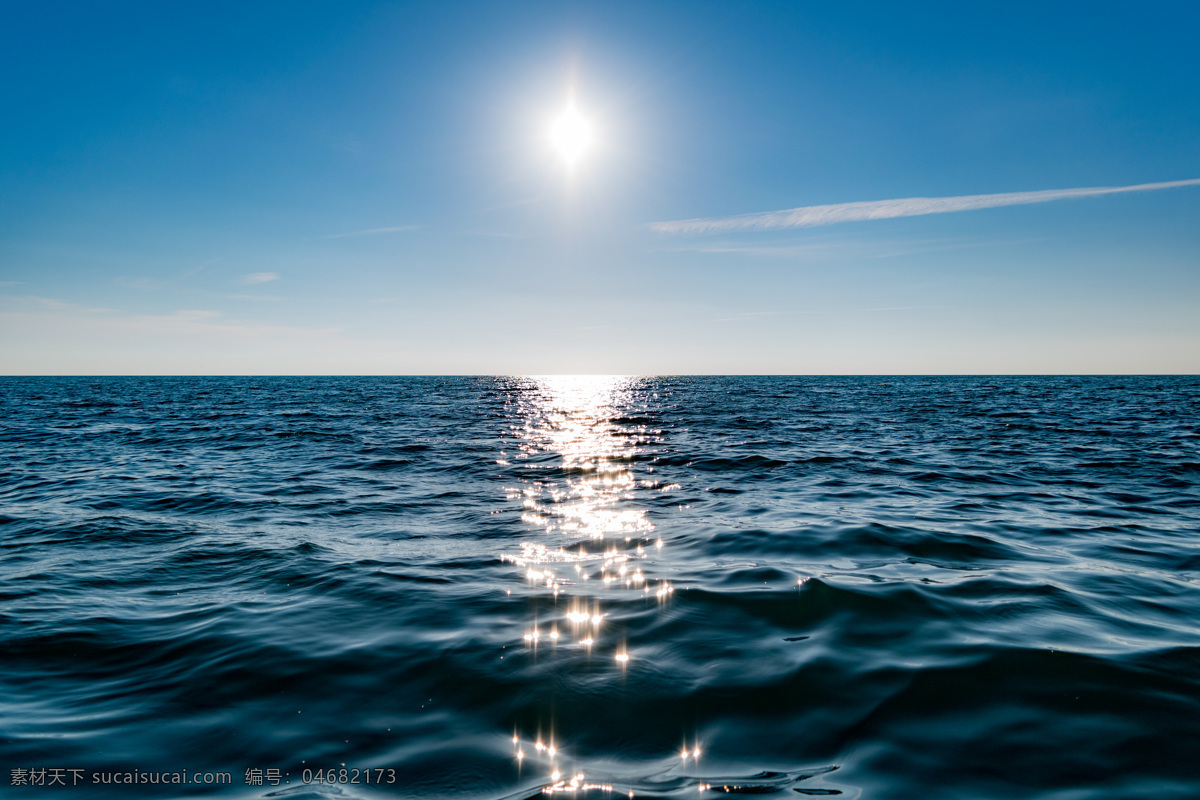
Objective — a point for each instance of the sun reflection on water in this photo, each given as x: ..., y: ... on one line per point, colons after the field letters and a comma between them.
x: 575, y: 444
x: 577, y: 448
x: 551, y: 758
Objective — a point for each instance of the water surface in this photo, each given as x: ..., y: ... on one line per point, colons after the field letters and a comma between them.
x: 494, y: 587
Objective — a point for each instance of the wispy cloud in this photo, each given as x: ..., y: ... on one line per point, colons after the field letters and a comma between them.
x: 40, y: 336
x: 261, y: 277
x: 372, y: 231
x: 201, y: 266
x: 812, y: 216
x: 18, y: 310
x: 33, y: 303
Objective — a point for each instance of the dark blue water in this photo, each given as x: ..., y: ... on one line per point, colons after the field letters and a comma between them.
x: 865, y: 587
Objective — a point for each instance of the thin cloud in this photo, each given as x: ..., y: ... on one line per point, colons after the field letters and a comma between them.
x: 33, y: 303
x: 18, y: 312
x: 202, y: 266
x: 372, y: 231
x: 813, y: 216
x: 261, y: 277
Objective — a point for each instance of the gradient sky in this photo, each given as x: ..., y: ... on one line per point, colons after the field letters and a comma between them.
x: 367, y: 188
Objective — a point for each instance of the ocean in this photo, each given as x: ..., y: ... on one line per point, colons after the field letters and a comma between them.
x: 657, y: 587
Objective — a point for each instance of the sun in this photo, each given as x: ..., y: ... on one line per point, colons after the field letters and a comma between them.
x: 571, y: 135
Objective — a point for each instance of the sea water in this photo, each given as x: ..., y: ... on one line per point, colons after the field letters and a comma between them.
x: 875, y: 587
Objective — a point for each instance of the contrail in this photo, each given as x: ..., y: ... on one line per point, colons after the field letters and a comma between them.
x: 812, y: 216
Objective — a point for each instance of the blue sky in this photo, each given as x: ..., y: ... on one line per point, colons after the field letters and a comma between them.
x: 296, y: 188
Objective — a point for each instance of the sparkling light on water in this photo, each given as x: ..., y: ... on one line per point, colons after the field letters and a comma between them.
x: 585, y: 539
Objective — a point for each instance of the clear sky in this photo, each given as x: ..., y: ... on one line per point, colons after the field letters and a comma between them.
x: 370, y: 188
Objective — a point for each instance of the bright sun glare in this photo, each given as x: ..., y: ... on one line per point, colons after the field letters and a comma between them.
x: 571, y: 135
